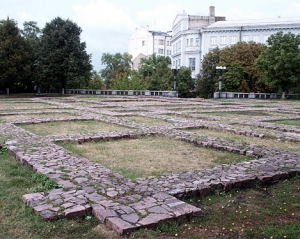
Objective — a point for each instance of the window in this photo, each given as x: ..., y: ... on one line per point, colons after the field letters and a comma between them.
x: 168, y: 52
x: 155, y: 41
x: 179, y: 44
x: 173, y: 63
x: 187, y: 42
x: 197, y: 42
x: 179, y: 62
x: 168, y: 43
x: 213, y: 40
x: 192, y: 41
x: 174, y: 48
x: 192, y: 64
x: 223, y: 40
x: 232, y: 39
x: 160, y: 51
x: 160, y: 42
x: 245, y: 38
x: 256, y: 38
x: 143, y: 43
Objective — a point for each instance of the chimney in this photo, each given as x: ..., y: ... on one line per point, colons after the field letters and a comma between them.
x: 211, y: 11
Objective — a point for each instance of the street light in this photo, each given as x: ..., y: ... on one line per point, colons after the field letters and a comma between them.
x: 220, y: 69
x: 175, y: 71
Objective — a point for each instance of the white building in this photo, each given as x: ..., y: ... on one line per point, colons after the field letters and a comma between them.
x: 187, y: 41
x: 195, y: 36
x: 223, y: 34
x: 144, y: 42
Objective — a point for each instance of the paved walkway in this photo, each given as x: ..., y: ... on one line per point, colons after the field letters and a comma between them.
x: 87, y: 187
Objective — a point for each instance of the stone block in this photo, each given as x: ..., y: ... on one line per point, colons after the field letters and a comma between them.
x: 120, y: 226
x: 103, y: 214
x: 75, y: 212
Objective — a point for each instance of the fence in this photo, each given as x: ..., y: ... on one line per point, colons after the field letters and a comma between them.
x: 122, y: 92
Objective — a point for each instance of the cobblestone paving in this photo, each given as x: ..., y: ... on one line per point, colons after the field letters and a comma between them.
x: 123, y: 205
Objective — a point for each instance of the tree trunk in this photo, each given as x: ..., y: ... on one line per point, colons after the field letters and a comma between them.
x: 7, y: 91
x: 62, y: 91
x: 283, y: 95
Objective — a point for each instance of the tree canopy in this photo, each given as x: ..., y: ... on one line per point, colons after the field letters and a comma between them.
x: 279, y: 63
x: 116, y: 66
x: 185, y: 83
x: 156, y: 72
x: 63, y: 59
x: 206, y: 80
x: 16, y: 56
x: 241, y: 74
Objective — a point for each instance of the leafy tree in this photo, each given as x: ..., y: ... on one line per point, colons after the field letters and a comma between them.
x: 279, y: 64
x: 117, y: 66
x: 206, y: 80
x: 31, y: 33
x: 63, y: 59
x: 241, y: 74
x: 185, y: 83
x: 134, y: 82
x: 96, y: 82
x: 156, y: 72
x: 16, y: 56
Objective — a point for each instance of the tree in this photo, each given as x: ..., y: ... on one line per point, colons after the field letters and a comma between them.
x: 117, y: 66
x: 134, y: 82
x: 16, y: 56
x: 241, y: 74
x: 31, y: 32
x: 279, y: 64
x: 156, y: 72
x: 185, y: 83
x: 96, y: 82
x: 63, y: 59
x: 206, y: 80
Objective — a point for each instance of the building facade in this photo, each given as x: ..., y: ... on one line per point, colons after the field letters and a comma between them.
x: 143, y: 43
x: 186, y: 40
x: 195, y: 36
x: 223, y: 34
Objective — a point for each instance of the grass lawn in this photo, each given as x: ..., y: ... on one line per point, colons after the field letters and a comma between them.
x: 252, y: 114
x: 145, y: 120
x: 288, y: 122
x: 268, y: 141
x: 35, y: 116
x: 19, y: 221
x: 19, y: 104
x: 151, y: 156
x: 70, y: 127
x: 263, y: 212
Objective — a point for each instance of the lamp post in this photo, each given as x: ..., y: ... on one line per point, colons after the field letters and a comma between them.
x: 220, y: 69
x: 175, y: 71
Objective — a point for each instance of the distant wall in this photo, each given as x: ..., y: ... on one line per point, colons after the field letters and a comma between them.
x: 123, y: 92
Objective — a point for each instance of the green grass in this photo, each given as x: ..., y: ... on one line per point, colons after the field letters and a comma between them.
x: 151, y: 156
x: 19, y: 221
x: 262, y: 212
x: 247, y: 114
x: 69, y: 127
x: 295, y: 122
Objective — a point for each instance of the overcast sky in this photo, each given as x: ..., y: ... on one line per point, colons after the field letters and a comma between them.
x: 108, y: 24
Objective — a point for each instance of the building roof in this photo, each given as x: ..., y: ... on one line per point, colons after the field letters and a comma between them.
x: 159, y: 33
x: 255, y: 22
